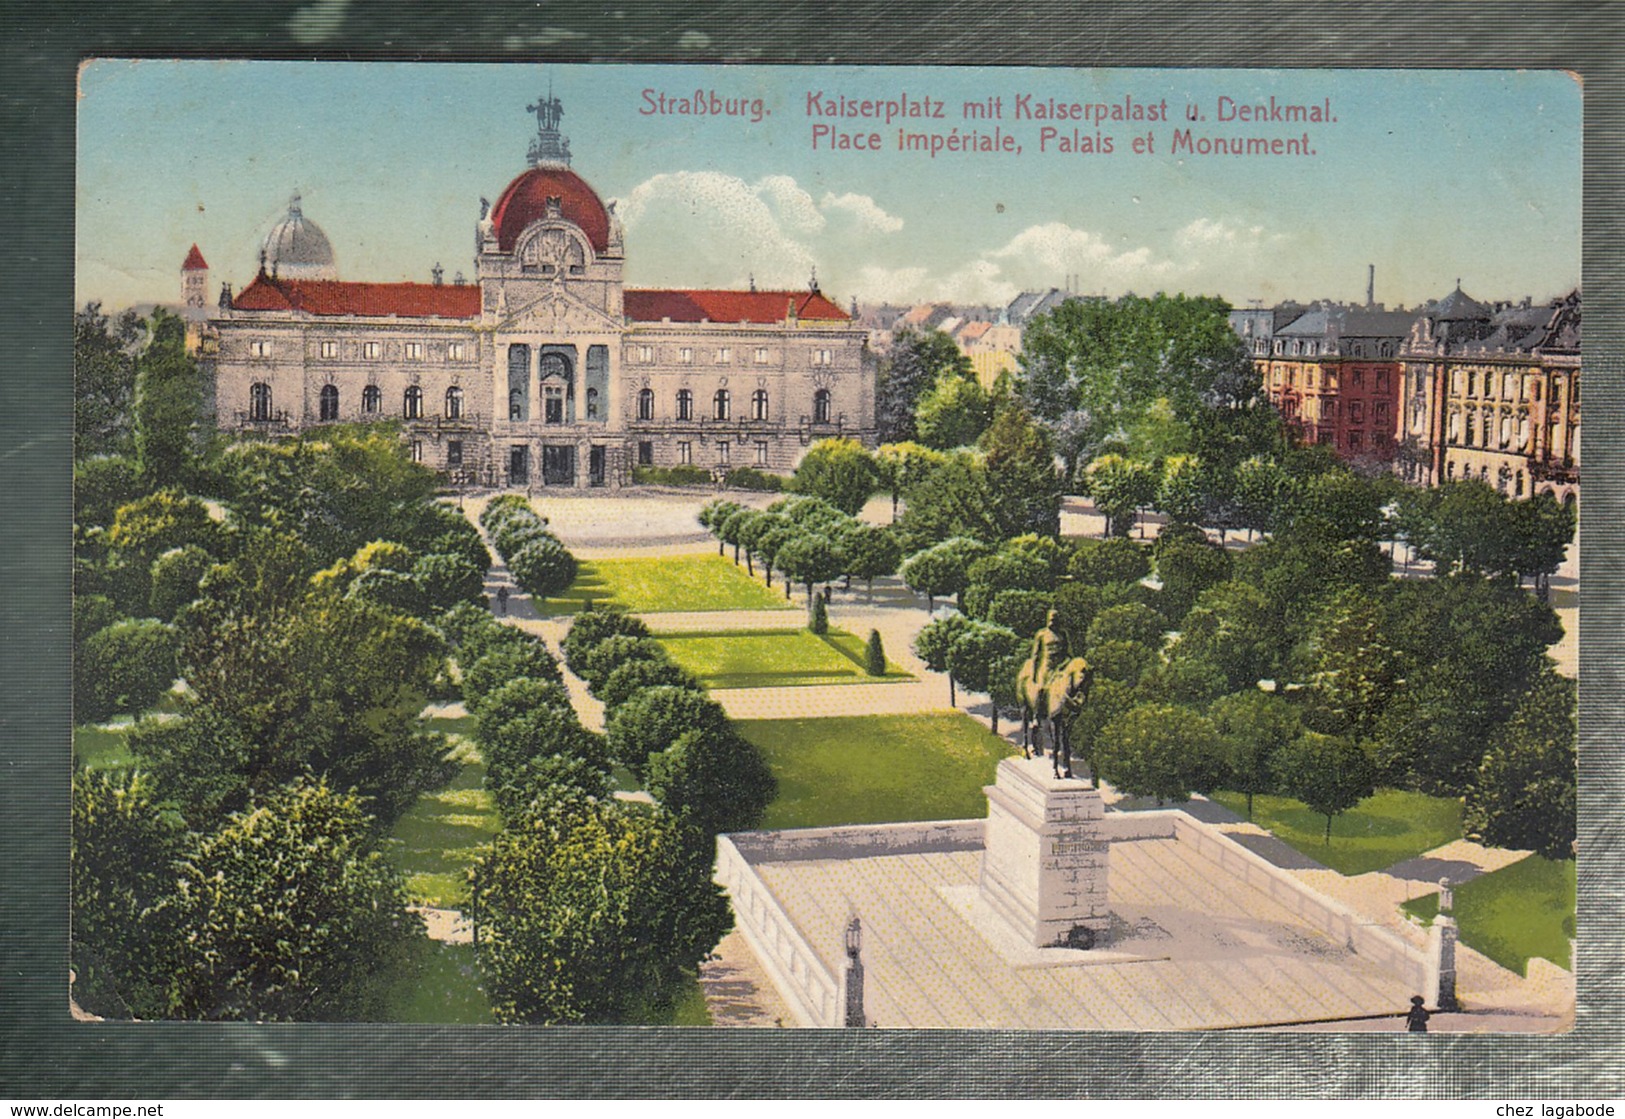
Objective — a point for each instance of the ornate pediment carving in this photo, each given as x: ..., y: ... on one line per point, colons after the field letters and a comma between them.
x: 558, y: 312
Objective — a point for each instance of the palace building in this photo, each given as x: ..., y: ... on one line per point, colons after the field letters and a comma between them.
x: 544, y: 370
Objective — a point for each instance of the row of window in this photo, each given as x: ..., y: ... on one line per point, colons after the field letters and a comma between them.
x: 371, y: 351
x: 722, y: 405
x: 1511, y: 385
x: 725, y: 355
x: 372, y: 402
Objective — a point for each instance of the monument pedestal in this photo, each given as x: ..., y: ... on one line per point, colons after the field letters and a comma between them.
x: 1044, y: 862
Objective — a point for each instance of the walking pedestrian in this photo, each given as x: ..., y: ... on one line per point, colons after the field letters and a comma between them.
x: 1416, y: 1020
x: 502, y: 600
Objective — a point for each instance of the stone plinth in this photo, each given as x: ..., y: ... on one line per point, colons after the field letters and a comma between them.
x: 1044, y: 864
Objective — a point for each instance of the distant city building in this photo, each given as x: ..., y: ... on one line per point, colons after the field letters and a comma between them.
x: 1493, y: 393
x: 1333, y: 373
x: 543, y: 370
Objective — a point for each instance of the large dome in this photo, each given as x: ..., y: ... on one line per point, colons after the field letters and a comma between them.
x: 297, y: 249
x: 526, y: 199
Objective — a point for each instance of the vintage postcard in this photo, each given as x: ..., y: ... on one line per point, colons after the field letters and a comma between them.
x: 800, y: 547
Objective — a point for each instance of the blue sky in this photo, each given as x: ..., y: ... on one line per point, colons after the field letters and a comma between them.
x: 1429, y: 175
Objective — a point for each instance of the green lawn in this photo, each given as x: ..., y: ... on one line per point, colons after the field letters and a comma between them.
x: 773, y: 658
x: 102, y: 748
x: 1512, y: 914
x: 436, y: 840
x: 1381, y: 830
x: 675, y: 583
x: 440, y: 984
x: 868, y: 769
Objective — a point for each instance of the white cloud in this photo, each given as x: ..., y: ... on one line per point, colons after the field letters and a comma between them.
x: 1205, y: 232
x: 865, y: 210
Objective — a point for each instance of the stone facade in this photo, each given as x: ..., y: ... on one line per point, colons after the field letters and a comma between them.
x: 545, y: 370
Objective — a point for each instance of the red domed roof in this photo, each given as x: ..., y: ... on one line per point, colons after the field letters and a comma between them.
x: 525, y: 201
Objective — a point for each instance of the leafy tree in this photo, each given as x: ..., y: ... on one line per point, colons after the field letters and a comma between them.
x: 1023, y: 483
x: 1119, y: 486
x: 1541, y: 529
x: 715, y: 780
x: 632, y: 677
x: 1108, y: 561
x: 1328, y: 773
x: 772, y: 535
x: 1253, y: 726
x: 1106, y: 365
x: 818, y: 616
x: 1339, y: 504
x: 871, y: 551
x: 1129, y: 621
x: 1351, y: 663
x: 1232, y: 627
x: 874, y: 655
x: 839, y: 471
x: 201, y: 763
x: 1262, y: 492
x: 175, y: 578
x: 289, y: 913
x: 810, y: 559
x: 592, y: 626
x: 953, y: 413
x: 955, y: 499
x: 655, y: 718
x: 1160, y: 750
x: 1524, y: 794
x: 713, y: 514
x: 1191, y: 681
x: 730, y: 530
x: 1076, y: 605
x: 943, y: 569
x: 977, y: 650
x: 518, y: 660
x: 609, y: 654
x: 935, y: 642
x: 101, y: 485
x: 439, y: 529
x: 899, y: 467
x: 104, y: 377
x: 1003, y: 571
x: 446, y: 578
x: 1108, y: 700
x: 1185, y: 491
x: 544, y: 567
x: 126, y: 667
x: 1126, y: 662
x: 122, y: 846
x: 1186, y: 568
x: 502, y: 506
x: 918, y: 359
x: 1003, y: 677
x: 518, y: 751
x: 1026, y: 612
x: 393, y: 589
x: 147, y: 528
x: 168, y: 404
x: 314, y: 680
x: 593, y: 914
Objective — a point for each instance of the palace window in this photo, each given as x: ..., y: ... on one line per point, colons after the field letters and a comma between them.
x: 761, y: 355
x: 259, y: 402
x: 417, y: 450
x: 454, y: 403
x: 685, y: 404
x: 592, y: 404
x: 1359, y: 378
x: 821, y: 406
x: 1354, y: 440
x: 821, y: 357
x: 259, y: 348
x: 685, y: 356
x: 371, y: 400
x: 725, y: 355
x: 371, y: 351
x: 721, y: 404
x: 761, y: 452
x: 330, y: 350
x: 685, y: 453
x: 454, y: 452
x: 724, y: 451
x: 414, y: 351
x: 1356, y: 411
x: 412, y: 406
x: 553, y: 404
x: 329, y: 402
x: 646, y: 353
x: 454, y: 351
x: 646, y: 453
x: 758, y: 404
x: 646, y: 404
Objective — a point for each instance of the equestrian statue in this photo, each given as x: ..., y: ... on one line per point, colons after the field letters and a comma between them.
x: 1053, y: 688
